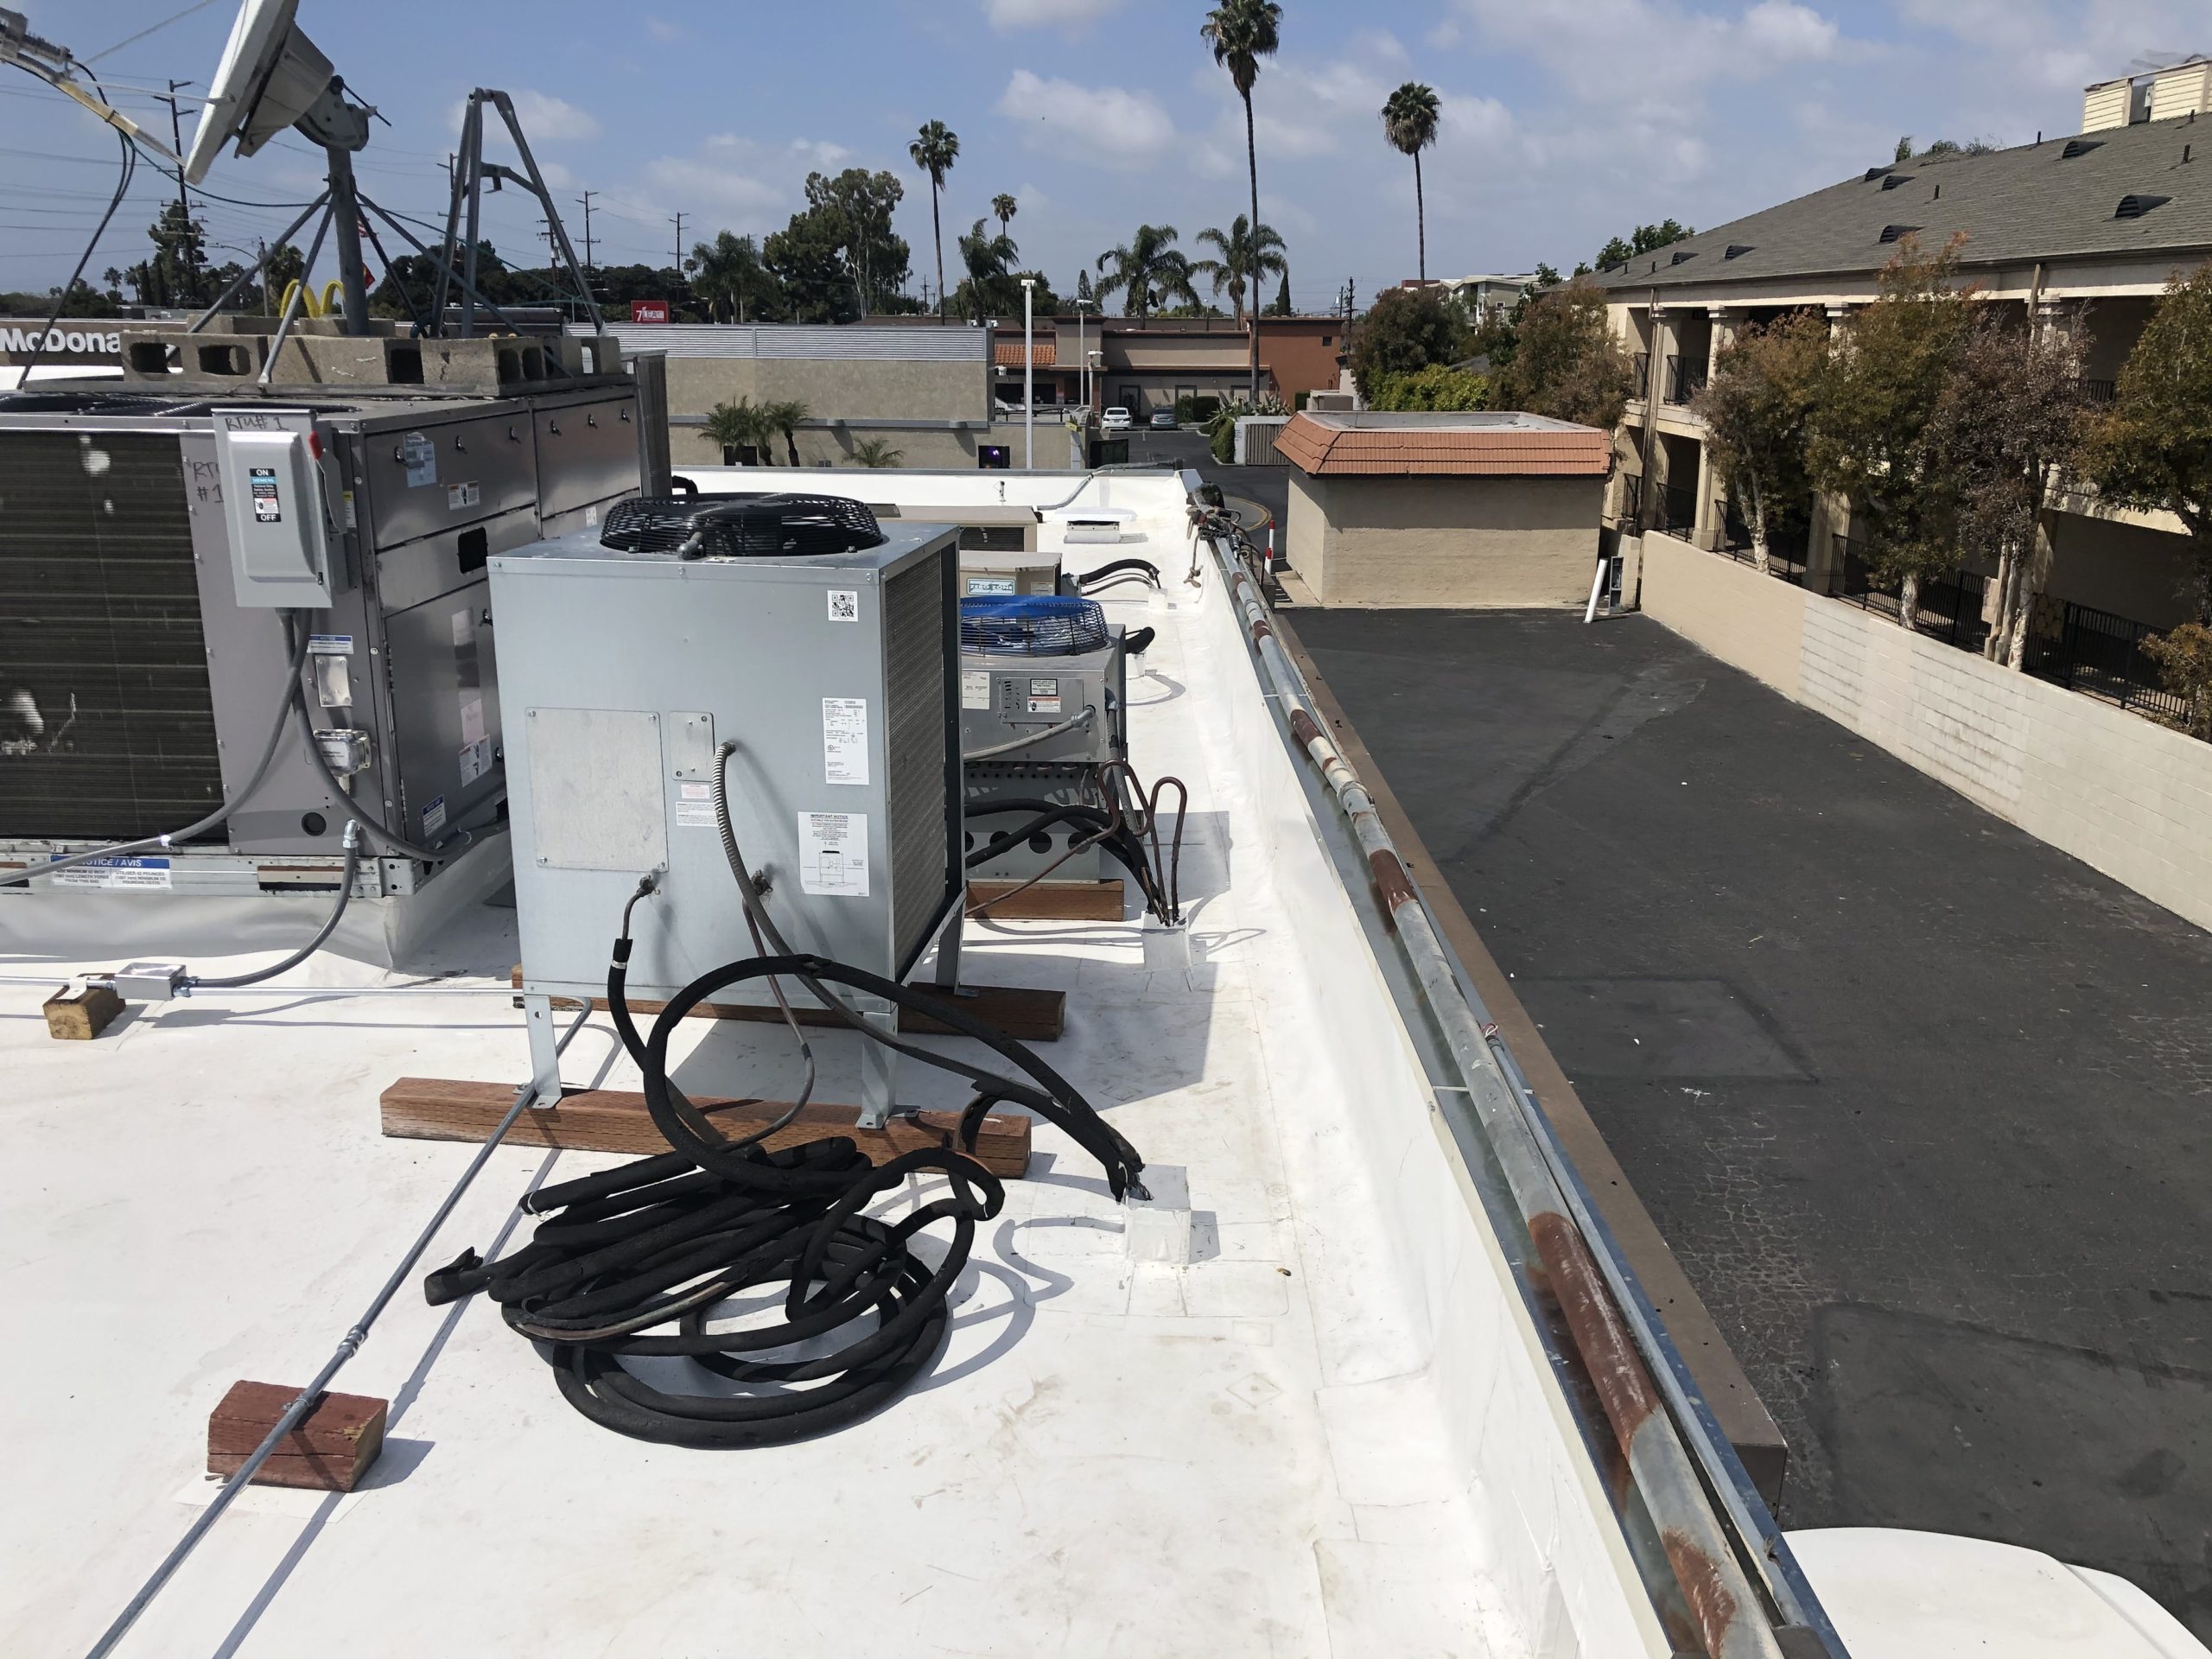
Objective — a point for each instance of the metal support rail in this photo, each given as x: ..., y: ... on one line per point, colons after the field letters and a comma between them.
x: 1732, y: 1620
x: 348, y: 1345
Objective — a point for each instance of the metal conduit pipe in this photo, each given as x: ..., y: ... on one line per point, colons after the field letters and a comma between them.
x: 1730, y: 1618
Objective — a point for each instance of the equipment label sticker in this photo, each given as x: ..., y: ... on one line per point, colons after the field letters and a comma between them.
x: 844, y: 605
x: 832, y: 854
x: 420, y: 457
x: 1044, y: 705
x: 267, y: 510
x: 330, y: 645
x: 462, y: 495
x: 475, y: 760
x: 844, y: 739
x: 990, y: 586
x: 1044, y: 688
x: 975, y: 688
x: 695, y: 806
x: 434, y: 816
x: 115, y: 872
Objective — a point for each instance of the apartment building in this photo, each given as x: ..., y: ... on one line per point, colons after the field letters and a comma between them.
x: 1146, y: 364
x: 2079, y: 232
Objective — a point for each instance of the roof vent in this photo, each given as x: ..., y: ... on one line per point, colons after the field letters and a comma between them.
x: 2134, y: 206
x: 1891, y: 232
x: 1874, y: 172
x: 2078, y: 147
x: 1736, y: 250
x: 1679, y: 257
x: 1893, y: 180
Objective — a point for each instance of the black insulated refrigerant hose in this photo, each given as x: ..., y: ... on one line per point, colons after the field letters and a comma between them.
x: 666, y: 1239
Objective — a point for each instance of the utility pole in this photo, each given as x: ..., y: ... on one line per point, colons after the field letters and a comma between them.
x: 1028, y: 374
x: 183, y: 200
x: 679, y: 245
x: 261, y: 258
x: 585, y: 199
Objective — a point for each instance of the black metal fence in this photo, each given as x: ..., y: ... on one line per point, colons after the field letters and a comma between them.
x: 1685, y: 378
x: 1950, y: 606
x: 2099, y: 653
x: 1674, y: 509
x: 1631, y: 507
x: 1639, y: 374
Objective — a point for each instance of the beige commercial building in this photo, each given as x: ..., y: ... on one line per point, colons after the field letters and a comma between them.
x: 1491, y: 510
x: 2078, y: 233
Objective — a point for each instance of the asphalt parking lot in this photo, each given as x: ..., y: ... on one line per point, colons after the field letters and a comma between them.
x: 1923, y: 1105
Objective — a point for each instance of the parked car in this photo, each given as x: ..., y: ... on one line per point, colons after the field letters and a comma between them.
x: 1163, y: 420
x: 1116, y: 419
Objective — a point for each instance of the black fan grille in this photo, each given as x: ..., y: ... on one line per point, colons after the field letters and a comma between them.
x: 741, y: 526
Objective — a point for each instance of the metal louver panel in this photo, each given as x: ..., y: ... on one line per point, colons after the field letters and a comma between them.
x: 915, y: 691
x: 107, y: 729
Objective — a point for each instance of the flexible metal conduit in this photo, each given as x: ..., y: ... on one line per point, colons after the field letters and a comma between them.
x: 1730, y: 1617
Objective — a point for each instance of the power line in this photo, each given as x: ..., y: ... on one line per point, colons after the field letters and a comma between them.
x: 173, y: 18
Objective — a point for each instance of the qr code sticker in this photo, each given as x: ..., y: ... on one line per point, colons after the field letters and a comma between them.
x: 844, y: 605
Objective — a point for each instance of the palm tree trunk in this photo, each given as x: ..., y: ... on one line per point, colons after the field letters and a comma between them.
x: 1252, y: 167
x: 936, y: 234
x: 1909, y: 602
x: 2000, y: 626
x: 1420, y: 221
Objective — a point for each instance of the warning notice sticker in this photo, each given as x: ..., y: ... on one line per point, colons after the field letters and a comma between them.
x: 267, y: 509
x: 832, y: 854
x: 844, y: 740
x: 112, y: 873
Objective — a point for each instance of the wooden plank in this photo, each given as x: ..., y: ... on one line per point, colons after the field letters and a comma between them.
x: 328, y: 1450
x: 615, y: 1119
x: 1051, y: 901
x: 80, y: 1016
x: 1027, y: 1014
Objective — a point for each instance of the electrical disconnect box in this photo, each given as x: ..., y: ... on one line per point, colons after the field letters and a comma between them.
x: 270, y: 461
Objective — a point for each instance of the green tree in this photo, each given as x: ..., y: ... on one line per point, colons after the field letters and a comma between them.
x: 2152, y: 448
x: 988, y: 290
x: 1145, y: 269
x: 1003, y: 208
x: 1871, y: 435
x: 1438, y: 386
x: 1756, y: 408
x: 1279, y: 306
x: 283, y: 266
x: 877, y: 452
x: 1246, y: 259
x: 2007, y: 428
x: 806, y: 261
x: 171, y: 274
x: 1406, y: 330
x: 2184, y: 658
x: 727, y: 273
x: 1567, y: 363
x: 1644, y: 238
x: 1409, y: 118
x: 737, y: 427
x: 784, y: 417
x: 857, y: 206
x: 934, y: 150
x: 1240, y: 33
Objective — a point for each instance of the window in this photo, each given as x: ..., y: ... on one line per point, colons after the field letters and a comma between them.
x: 1128, y: 397
x: 1181, y: 392
x: 1328, y: 339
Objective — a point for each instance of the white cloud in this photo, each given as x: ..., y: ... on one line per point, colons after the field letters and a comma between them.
x: 1108, y: 126
x: 1033, y: 14
x: 1785, y: 32
x: 1584, y: 43
x: 550, y: 120
x: 753, y: 183
x: 659, y: 28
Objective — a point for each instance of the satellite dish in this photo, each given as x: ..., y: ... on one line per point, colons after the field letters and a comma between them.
x: 271, y: 77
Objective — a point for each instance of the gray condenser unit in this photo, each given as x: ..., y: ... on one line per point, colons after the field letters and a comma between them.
x: 142, y: 646
x: 634, y: 655
x: 1043, y: 709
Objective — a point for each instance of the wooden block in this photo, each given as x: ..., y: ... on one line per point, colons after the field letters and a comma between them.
x: 1025, y: 1013
x: 1049, y: 901
x: 328, y: 1450
x: 79, y: 1016
x: 615, y: 1119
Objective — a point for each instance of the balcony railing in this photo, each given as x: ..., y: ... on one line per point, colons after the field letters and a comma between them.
x: 1685, y: 378
x: 1631, y: 507
x: 1639, y: 381
x: 1675, y: 510
x: 2095, y: 391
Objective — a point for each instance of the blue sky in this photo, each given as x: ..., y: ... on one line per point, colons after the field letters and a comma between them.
x: 1564, y: 120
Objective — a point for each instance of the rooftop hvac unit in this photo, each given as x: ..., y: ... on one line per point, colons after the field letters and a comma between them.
x: 788, y: 662
x: 1043, y: 696
x: 150, y: 549
x: 986, y: 573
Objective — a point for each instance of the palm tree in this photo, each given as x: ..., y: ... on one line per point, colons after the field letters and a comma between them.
x: 877, y: 452
x: 1241, y: 32
x: 1409, y: 122
x: 785, y: 417
x: 736, y: 427
x: 1147, y: 267
x: 726, y: 272
x: 1246, y: 260
x: 990, y: 260
x: 1003, y: 208
x: 935, y: 150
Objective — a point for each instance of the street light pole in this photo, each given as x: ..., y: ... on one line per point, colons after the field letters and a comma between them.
x: 1029, y: 375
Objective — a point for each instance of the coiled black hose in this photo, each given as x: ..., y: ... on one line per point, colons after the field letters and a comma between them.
x: 668, y: 1239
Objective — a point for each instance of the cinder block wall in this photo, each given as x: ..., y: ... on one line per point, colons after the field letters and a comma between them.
x: 2129, y: 798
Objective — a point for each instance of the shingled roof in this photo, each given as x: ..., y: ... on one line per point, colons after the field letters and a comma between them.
x: 1325, y: 443
x: 2059, y: 199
